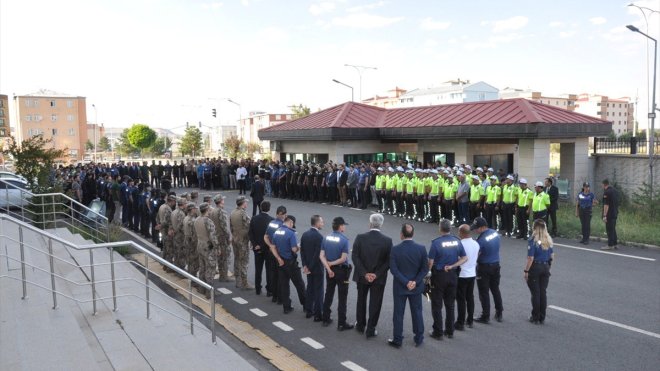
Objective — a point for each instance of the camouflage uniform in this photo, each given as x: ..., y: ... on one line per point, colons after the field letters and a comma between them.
x: 178, y: 240
x: 165, y: 220
x: 240, y: 223
x: 207, y: 248
x: 190, y: 243
x: 219, y: 218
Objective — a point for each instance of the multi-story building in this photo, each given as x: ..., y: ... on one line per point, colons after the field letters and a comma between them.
x: 450, y: 92
x: 391, y: 100
x: 59, y: 117
x: 619, y: 111
x: 4, y: 116
x: 565, y: 101
x: 250, y: 126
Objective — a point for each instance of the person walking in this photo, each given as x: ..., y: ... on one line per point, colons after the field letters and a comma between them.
x: 583, y: 208
x: 610, y: 214
x: 537, y: 270
x: 310, y: 250
x: 466, y: 277
x: 409, y: 266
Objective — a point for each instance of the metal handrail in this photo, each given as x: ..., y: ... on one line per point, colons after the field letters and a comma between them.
x: 108, y: 246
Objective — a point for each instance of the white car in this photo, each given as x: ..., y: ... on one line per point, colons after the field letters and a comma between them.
x: 12, y: 192
x: 10, y: 175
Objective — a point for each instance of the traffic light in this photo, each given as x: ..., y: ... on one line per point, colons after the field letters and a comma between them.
x: 187, y: 124
x: 213, y: 112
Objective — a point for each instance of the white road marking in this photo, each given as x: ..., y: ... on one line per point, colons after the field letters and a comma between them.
x: 239, y: 300
x: 353, y: 366
x: 283, y: 326
x: 312, y: 343
x: 606, y: 252
x: 224, y: 290
x: 258, y: 312
x: 337, y: 205
x: 355, y: 208
x: 598, y: 319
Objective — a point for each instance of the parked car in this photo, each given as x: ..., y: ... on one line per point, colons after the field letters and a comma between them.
x: 12, y: 193
x: 10, y: 175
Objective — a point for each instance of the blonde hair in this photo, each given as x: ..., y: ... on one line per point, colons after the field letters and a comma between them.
x: 540, y: 234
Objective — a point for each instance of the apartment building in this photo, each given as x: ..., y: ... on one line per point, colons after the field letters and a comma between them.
x: 565, y: 101
x: 4, y: 116
x: 619, y: 111
x: 451, y: 92
x: 249, y: 127
x: 390, y: 100
x: 59, y: 117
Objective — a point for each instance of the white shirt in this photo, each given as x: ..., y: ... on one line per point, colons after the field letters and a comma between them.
x: 469, y: 268
x: 241, y: 172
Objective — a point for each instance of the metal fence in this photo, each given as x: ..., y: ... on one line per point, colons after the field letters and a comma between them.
x: 631, y: 146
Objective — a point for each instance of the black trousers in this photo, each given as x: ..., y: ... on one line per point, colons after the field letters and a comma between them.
x: 339, y: 281
x: 491, y: 215
x: 272, y: 274
x: 290, y: 271
x: 447, y: 208
x: 552, y: 217
x: 444, y: 292
x: 537, y: 281
x: 260, y: 257
x: 314, y: 293
x: 585, y: 221
x: 488, y: 281
x: 541, y: 215
x: 256, y: 206
x: 375, y: 293
x: 400, y: 208
x: 610, y: 228
x: 241, y: 186
x: 521, y: 220
x: 465, y: 300
x: 434, y: 209
x: 507, y: 217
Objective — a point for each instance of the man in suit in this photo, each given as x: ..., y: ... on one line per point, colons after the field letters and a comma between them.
x: 310, y: 248
x: 553, y: 192
x: 257, y: 194
x: 342, y: 178
x: 408, y: 265
x: 371, y: 257
x: 258, y: 226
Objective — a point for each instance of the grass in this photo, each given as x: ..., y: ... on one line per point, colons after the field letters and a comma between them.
x: 631, y: 226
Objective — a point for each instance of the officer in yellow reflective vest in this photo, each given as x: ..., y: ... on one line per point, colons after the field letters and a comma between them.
x: 410, y: 192
x: 401, y: 181
x: 477, y: 196
x: 379, y: 187
x: 523, y: 207
x: 390, y: 191
x: 540, y: 203
x: 493, y: 200
x: 448, y: 196
x: 420, y: 200
x: 509, y: 195
x: 434, y: 185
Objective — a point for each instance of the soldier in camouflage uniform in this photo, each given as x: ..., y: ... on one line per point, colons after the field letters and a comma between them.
x: 207, y: 247
x: 190, y: 239
x: 219, y: 217
x: 179, y: 236
x: 165, y: 227
x: 240, y: 224
x: 208, y: 199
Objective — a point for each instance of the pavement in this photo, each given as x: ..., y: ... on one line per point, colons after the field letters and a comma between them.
x: 603, y: 311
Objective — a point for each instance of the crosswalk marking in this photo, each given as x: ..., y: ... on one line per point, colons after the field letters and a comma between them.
x: 258, y: 312
x: 312, y: 343
x: 353, y: 366
x: 283, y: 326
x: 224, y: 290
x: 239, y: 300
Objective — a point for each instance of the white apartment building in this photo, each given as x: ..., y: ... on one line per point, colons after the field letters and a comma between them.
x: 619, y: 111
x: 565, y: 101
x: 250, y: 126
x: 449, y: 93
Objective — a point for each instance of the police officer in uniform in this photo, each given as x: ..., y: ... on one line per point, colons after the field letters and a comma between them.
x: 509, y: 194
x: 221, y: 221
x: 488, y: 270
x: 523, y: 205
x: 583, y: 206
x: 207, y: 247
x: 310, y: 249
x: 445, y: 255
x: 239, y: 222
x: 285, y: 251
x: 258, y: 225
x: 493, y: 200
x: 334, y: 257
x: 540, y: 203
x: 165, y: 228
x: 537, y: 269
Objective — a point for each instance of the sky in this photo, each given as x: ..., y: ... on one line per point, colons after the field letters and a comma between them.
x: 167, y: 62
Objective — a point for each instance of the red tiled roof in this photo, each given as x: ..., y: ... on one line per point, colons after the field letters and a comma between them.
x: 496, y: 112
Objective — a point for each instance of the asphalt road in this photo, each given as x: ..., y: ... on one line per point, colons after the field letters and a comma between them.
x: 604, y: 311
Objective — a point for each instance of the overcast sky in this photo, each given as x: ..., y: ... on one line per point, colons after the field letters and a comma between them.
x: 165, y: 62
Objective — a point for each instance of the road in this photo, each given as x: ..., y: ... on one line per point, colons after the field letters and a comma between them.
x: 604, y: 311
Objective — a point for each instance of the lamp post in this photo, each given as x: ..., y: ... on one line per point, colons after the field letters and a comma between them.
x: 96, y: 124
x: 359, y: 70
x: 346, y: 85
x: 652, y: 113
x: 240, y: 116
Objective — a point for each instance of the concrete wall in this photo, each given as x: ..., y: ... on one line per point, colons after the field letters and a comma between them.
x: 536, y: 164
x: 626, y: 170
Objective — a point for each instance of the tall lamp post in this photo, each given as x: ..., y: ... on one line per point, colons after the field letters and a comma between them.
x: 96, y: 124
x: 359, y: 70
x: 240, y: 115
x: 346, y: 85
x: 652, y: 114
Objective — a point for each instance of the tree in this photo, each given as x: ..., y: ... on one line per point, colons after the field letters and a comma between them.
x: 232, y: 146
x: 104, y: 144
x: 89, y: 146
x: 32, y: 159
x: 124, y: 146
x: 300, y: 111
x: 162, y: 145
x: 191, y: 143
x: 141, y: 136
x: 252, y: 148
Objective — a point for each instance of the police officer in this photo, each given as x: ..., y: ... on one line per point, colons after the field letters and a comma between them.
x: 488, y: 270
x: 239, y: 222
x: 493, y: 200
x: 273, y: 269
x: 540, y: 202
x: 178, y: 238
x: 220, y: 219
x: 523, y: 205
x: 144, y: 205
x: 285, y: 251
x: 477, y: 195
x: 448, y: 196
x: 537, y: 269
x: 583, y: 206
x: 258, y: 225
x: 165, y: 228
x: 155, y: 202
x: 207, y: 247
x: 445, y: 255
x: 310, y: 249
x: 334, y: 257
x: 509, y: 194
x: 190, y: 239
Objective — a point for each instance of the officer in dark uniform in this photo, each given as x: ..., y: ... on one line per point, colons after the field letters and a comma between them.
x: 488, y: 269
x: 583, y: 206
x: 156, y: 201
x: 537, y: 269
x: 286, y: 253
x: 334, y: 257
x: 310, y: 249
x: 445, y: 255
x: 143, y: 209
x: 272, y: 269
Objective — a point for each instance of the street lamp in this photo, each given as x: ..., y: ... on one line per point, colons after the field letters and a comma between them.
x: 651, y: 133
x: 346, y: 85
x: 359, y: 70
x: 96, y: 124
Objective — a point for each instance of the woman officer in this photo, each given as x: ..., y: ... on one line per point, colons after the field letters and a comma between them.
x: 537, y: 269
x: 585, y: 201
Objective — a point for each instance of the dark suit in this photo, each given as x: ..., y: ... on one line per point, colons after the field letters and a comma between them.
x: 257, y: 195
x: 310, y: 248
x: 553, y: 192
x: 371, y: 254
x: 408, y: 262
x: 258, y: 226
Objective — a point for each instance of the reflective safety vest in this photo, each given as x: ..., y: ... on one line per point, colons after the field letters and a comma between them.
x: 390, y: 183
x: 476, y: 191
x: 509, y: 193
x: 524, y: 197
x: 435, y: 187
x: 421, y: 185
x: 449, y: 190
x: 540, y: 202
x: 493, y: 194
x: 400, y: 183
x: 411, y: 185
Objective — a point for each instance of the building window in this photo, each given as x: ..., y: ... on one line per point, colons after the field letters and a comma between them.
x: 2, y: 103
x: 54, y: 131
x: 69, y: 117
x: 28, y: 118
x: 3, y: 132
x: 598, y: 104
x: 2, y: 112
x: 28, y: 103
x: 2, y: 122
x: 69, y: 103
x: 53, y: 118
x: 73, y: 152
x: 52, y: 103
x: 72, y: 132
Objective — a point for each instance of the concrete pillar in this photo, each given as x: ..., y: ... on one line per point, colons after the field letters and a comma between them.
x: 532, y: 161
x: 574, y: 164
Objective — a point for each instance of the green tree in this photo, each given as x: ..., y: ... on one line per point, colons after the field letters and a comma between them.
x: 191, y: 143
x: 232, y: 146
x: 89, y: 146
x: 300, y: 111
x: 252, y: 148
x: 141, y: 136
x: 33, y: 158
x: 161, y: 145
x: 104, y: 144
x: 124, y: 146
